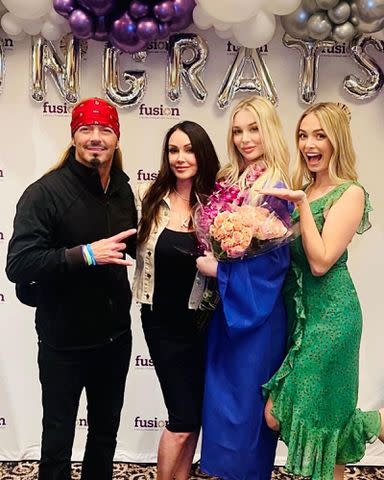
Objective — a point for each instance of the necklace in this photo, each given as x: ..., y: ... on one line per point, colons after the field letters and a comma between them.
x: 184, y: 222
x: 178, y: 194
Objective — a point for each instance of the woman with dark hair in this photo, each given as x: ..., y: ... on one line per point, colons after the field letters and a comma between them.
x: 163, y: 281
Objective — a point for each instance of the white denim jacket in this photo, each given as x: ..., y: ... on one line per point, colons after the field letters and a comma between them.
x: 144, y: 277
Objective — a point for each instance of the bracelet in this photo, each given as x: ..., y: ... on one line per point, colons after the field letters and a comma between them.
x: 87, y: 257
x: 90, y: 252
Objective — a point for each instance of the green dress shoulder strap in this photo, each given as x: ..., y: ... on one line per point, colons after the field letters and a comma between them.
x: 338, y: 191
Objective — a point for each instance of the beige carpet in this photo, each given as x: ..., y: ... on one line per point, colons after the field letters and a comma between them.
x: 123, y: 471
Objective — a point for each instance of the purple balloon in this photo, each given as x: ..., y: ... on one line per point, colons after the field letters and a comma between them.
x: 183, y: 14
x: 163, y: 30
x: 164, y: 11
x: 102, y: 27
x: 123, y: 35
x: 64, y: 7
x: 138, y: 9
x: 81, y: 24
x: 147, y: 29
x: 98, y: 7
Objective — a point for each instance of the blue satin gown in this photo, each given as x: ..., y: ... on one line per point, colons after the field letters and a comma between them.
x: 246, y: 345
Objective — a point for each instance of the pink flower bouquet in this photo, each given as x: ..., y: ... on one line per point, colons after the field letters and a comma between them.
x: 230, y: 226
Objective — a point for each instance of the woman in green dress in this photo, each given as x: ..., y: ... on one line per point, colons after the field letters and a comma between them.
x: 312, y: 398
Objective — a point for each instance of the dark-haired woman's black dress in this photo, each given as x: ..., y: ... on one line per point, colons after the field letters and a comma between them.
x: 175, y: 344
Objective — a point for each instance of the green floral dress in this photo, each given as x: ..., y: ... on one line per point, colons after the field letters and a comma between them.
x: 315, y: 390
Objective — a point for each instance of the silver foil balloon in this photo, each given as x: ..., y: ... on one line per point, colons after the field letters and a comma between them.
x: 135, y: 79
x: 340, y: 13
x: 319, y: 26
x: 189, y: 69
x: 370, y: 10
x: 310, y: 5
x: 2, y: 65
x: 344, y: 32
x: 236, y: 79
x: 369, y: 87
x: 327, y: 4
x: 65, y: 75
x: 310, y: 51
x: 363, y: 25
x: 295, y: 24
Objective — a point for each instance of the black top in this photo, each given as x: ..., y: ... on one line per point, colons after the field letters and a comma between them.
x: 77, y: 306
x: 175, y: 269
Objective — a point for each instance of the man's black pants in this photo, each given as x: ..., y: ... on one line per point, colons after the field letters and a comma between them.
x: 102, y: 371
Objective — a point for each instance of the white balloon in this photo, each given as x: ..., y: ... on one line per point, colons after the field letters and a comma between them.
x: 54, y: 17
x: 11, y: 24
x: 51, y: 31
x: 19, y: 37
x: 32, y: 27
x: 221, y: 26
x: 231, y: 11
x: 224, y: 34
x: 282, y: 7
x: 201, y: 18
x: 28, y: 9
x: 257, y: 31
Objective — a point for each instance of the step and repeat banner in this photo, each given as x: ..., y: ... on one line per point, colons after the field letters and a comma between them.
x: 34, y: 130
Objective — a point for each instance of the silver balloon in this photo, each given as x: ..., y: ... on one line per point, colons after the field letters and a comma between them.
x: 340, y: 13
x: 136, y: 80
x: 310, y: 6
x: 309, y: 64
x: 343, y: 33
x: 319, y: 26
x: 2, y: 65
x: 369, y: 87
x: 260, y: 81
x: 65, y: 75
x: 189, y: 69
x: 370, y: 10
x: 326, y: 4
x: 364, y: 26
x: 295, y: 24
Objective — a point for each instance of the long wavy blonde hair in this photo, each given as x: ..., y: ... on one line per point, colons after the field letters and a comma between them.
x: 276, y: 153
x: 334, y: 120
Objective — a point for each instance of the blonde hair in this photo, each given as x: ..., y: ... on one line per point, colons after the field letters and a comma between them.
x: 334, y: 120
x: 276, y: 153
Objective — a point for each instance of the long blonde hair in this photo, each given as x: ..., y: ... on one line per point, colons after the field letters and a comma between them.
x: 276, y: 153
x: 334, y: 120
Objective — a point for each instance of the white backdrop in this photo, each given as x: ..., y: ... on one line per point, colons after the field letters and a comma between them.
x: 32, y: 137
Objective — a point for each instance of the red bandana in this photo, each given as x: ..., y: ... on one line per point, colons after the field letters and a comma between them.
x: 95, y: 111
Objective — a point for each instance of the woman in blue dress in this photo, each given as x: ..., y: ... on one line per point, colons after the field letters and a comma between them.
x: 247, y: 335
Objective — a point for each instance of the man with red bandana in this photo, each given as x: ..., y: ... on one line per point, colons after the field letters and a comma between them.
x: 72, y: 230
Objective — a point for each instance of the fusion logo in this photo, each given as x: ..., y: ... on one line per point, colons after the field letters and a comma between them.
x: 81, y: 423
x: 1, y: 236
x: 2, y: 300
x: 56, y: 109
x: 158, y: 111
x: 149, y: 424
x: 231, y: 48
x: 1, y: 174
x: 143, y: 176
x: 338, y: 50
x: 157, y: 46
x: 3, y: 422
x: 141, y: 362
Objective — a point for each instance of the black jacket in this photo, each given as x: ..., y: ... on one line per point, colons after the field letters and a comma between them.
x: 77, y: 305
